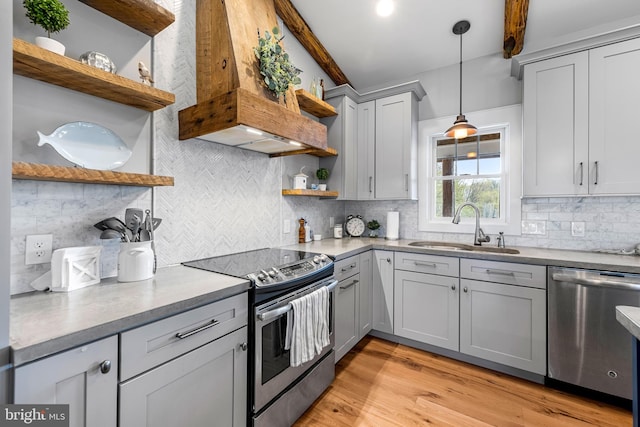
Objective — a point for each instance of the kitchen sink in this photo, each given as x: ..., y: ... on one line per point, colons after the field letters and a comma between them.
x: 451, y: 246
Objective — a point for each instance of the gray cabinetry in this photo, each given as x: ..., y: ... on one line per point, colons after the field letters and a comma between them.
x: 376, y: 136
x: 396, y: 147
x: 189, y: 367
x: 382, y: 282
x: 426, y: 305
x: 502, y: 316
x: 86, y: 378
x: 353, y: 302
x: 577, y: 108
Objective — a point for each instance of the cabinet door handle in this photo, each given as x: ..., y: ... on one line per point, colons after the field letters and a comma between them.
x: 425, y: 264
x: 500, y: 273
x: 349, y: 285
x: 596, y: 181
x: 453, y: 287
x: 406, y: 182
x: 105, y: 366
x: 244, y: 346
x: 183, y: 335
x: 370, y: 184
x: 389, y: 260
x: 581, y: 172
x: 466, y: 289
x: 352, y: 266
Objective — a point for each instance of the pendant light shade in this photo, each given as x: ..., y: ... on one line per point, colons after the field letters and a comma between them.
x: 461, y: 127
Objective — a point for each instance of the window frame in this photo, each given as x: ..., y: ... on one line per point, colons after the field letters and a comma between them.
x: 506, y: 119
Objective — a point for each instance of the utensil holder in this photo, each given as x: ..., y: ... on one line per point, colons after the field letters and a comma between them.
x: 135, y: 261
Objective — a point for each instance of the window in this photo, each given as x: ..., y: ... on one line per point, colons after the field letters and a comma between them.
x: 484, y: 169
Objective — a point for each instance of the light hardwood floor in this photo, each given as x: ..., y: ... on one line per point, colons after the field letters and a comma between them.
x: 380, y: 383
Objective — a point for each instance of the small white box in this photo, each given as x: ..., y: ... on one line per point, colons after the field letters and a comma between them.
x: 75, y: 268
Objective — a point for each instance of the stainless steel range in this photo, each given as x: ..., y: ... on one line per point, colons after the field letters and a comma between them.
x: 279, y: 392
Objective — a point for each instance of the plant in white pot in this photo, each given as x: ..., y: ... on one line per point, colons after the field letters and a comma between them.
x: 322, y: 174
x: 52, y: 16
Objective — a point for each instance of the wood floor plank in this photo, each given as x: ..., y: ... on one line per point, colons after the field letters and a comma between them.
x: 380, y: 383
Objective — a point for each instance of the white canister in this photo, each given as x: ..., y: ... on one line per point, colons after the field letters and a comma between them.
x: 135, y: 261
x: 337, y: 231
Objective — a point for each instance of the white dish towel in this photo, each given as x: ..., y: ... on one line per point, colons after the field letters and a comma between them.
x: 310, y: 331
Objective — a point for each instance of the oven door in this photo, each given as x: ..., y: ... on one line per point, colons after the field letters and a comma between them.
x: 273, y: 373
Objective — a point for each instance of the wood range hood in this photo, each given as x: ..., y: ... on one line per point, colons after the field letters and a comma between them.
x: 233, y: 106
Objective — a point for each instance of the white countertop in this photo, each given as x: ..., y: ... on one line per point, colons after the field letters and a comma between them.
x: 44, y: 323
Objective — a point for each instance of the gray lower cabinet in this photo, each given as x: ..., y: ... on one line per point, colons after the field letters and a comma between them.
x: 382, y: 283
x: 353, y: 302
x: 205, y: 387
x: 86, y: 378
x: 426, y: 306
x: 503, y: 316
x: 188, y: 369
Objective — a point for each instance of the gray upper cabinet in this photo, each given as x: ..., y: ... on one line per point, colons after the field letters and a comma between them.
x: 86, y: 378
x: 577, y: 109
x: 342, y: 135
x: 377, y: 142
x: 396, y: 147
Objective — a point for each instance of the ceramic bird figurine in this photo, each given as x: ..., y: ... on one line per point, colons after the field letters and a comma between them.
x: 145, y: 74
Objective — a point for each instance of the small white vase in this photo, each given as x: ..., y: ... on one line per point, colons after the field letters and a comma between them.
x: 50, y: 44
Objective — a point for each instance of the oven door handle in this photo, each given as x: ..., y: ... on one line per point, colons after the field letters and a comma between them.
x: 269, y: 315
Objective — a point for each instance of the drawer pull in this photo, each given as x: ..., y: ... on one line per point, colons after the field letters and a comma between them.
x: 466, y: 289
x: 352, y: 266
x: 105, y: 366
x: 500, y: 273
x: 244, y: 346
x: 183, y: 335
x: 349, y: 285
x: 425, y: 264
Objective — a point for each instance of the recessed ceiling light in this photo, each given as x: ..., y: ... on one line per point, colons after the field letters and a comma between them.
x: 385, y: 7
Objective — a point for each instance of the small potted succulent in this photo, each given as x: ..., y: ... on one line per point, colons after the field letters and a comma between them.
x: 322, y: 174
x: 52, y: 16
x: 373, y: 227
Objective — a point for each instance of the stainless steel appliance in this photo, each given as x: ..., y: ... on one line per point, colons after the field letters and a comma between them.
x: 278, y: 392
x: 587, y: 347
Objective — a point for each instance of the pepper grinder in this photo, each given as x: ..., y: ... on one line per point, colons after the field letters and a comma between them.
x: 302, y: 233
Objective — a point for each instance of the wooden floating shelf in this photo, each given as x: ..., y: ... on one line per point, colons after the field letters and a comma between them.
x: 143, y: 15
x: 314, y: 106
x: 34, y: 62
x: 329, y: 152
x: 317, y: 193
x: 40, y: 172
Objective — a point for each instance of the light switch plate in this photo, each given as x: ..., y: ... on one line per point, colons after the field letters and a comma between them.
x: 286, y: 226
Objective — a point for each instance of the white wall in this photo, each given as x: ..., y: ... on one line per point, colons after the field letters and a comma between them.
x: 6, y: 73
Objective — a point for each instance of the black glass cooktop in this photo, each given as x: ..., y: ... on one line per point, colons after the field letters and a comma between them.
x: 244, y: 263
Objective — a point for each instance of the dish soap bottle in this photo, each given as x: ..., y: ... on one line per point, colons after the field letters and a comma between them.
x: 302, y: 233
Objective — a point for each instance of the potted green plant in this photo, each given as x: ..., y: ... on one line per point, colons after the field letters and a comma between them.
x: 322, y: 174
x: 373, y: 226
x: 275, y: 67
x: 52, y: 16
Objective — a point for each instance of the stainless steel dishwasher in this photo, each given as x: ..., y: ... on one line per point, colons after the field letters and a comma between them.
x: 586, y: 345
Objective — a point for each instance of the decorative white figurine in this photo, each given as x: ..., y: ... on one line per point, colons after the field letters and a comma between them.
x: 145, y: 74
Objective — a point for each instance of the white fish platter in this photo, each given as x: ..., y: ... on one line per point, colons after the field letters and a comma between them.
x: 88, y: 145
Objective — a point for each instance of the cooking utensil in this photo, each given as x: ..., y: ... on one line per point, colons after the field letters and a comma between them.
x: 133, y: 220
x: 112, y: 234
x: 156, y: 223
x: 149, y: 226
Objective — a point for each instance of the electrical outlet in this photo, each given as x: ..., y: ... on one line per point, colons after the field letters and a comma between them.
x: 286, y: 227
x: 38, y: 249
x: 577, y: 228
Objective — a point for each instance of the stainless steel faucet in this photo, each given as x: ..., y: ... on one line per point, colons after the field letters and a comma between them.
x: 479, y: 237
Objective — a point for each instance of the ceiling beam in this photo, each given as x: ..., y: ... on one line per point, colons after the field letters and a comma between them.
x: 299, y: 28
x: 515, y: 23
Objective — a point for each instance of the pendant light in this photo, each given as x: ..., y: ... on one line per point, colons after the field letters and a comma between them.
x: 461, y: 127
